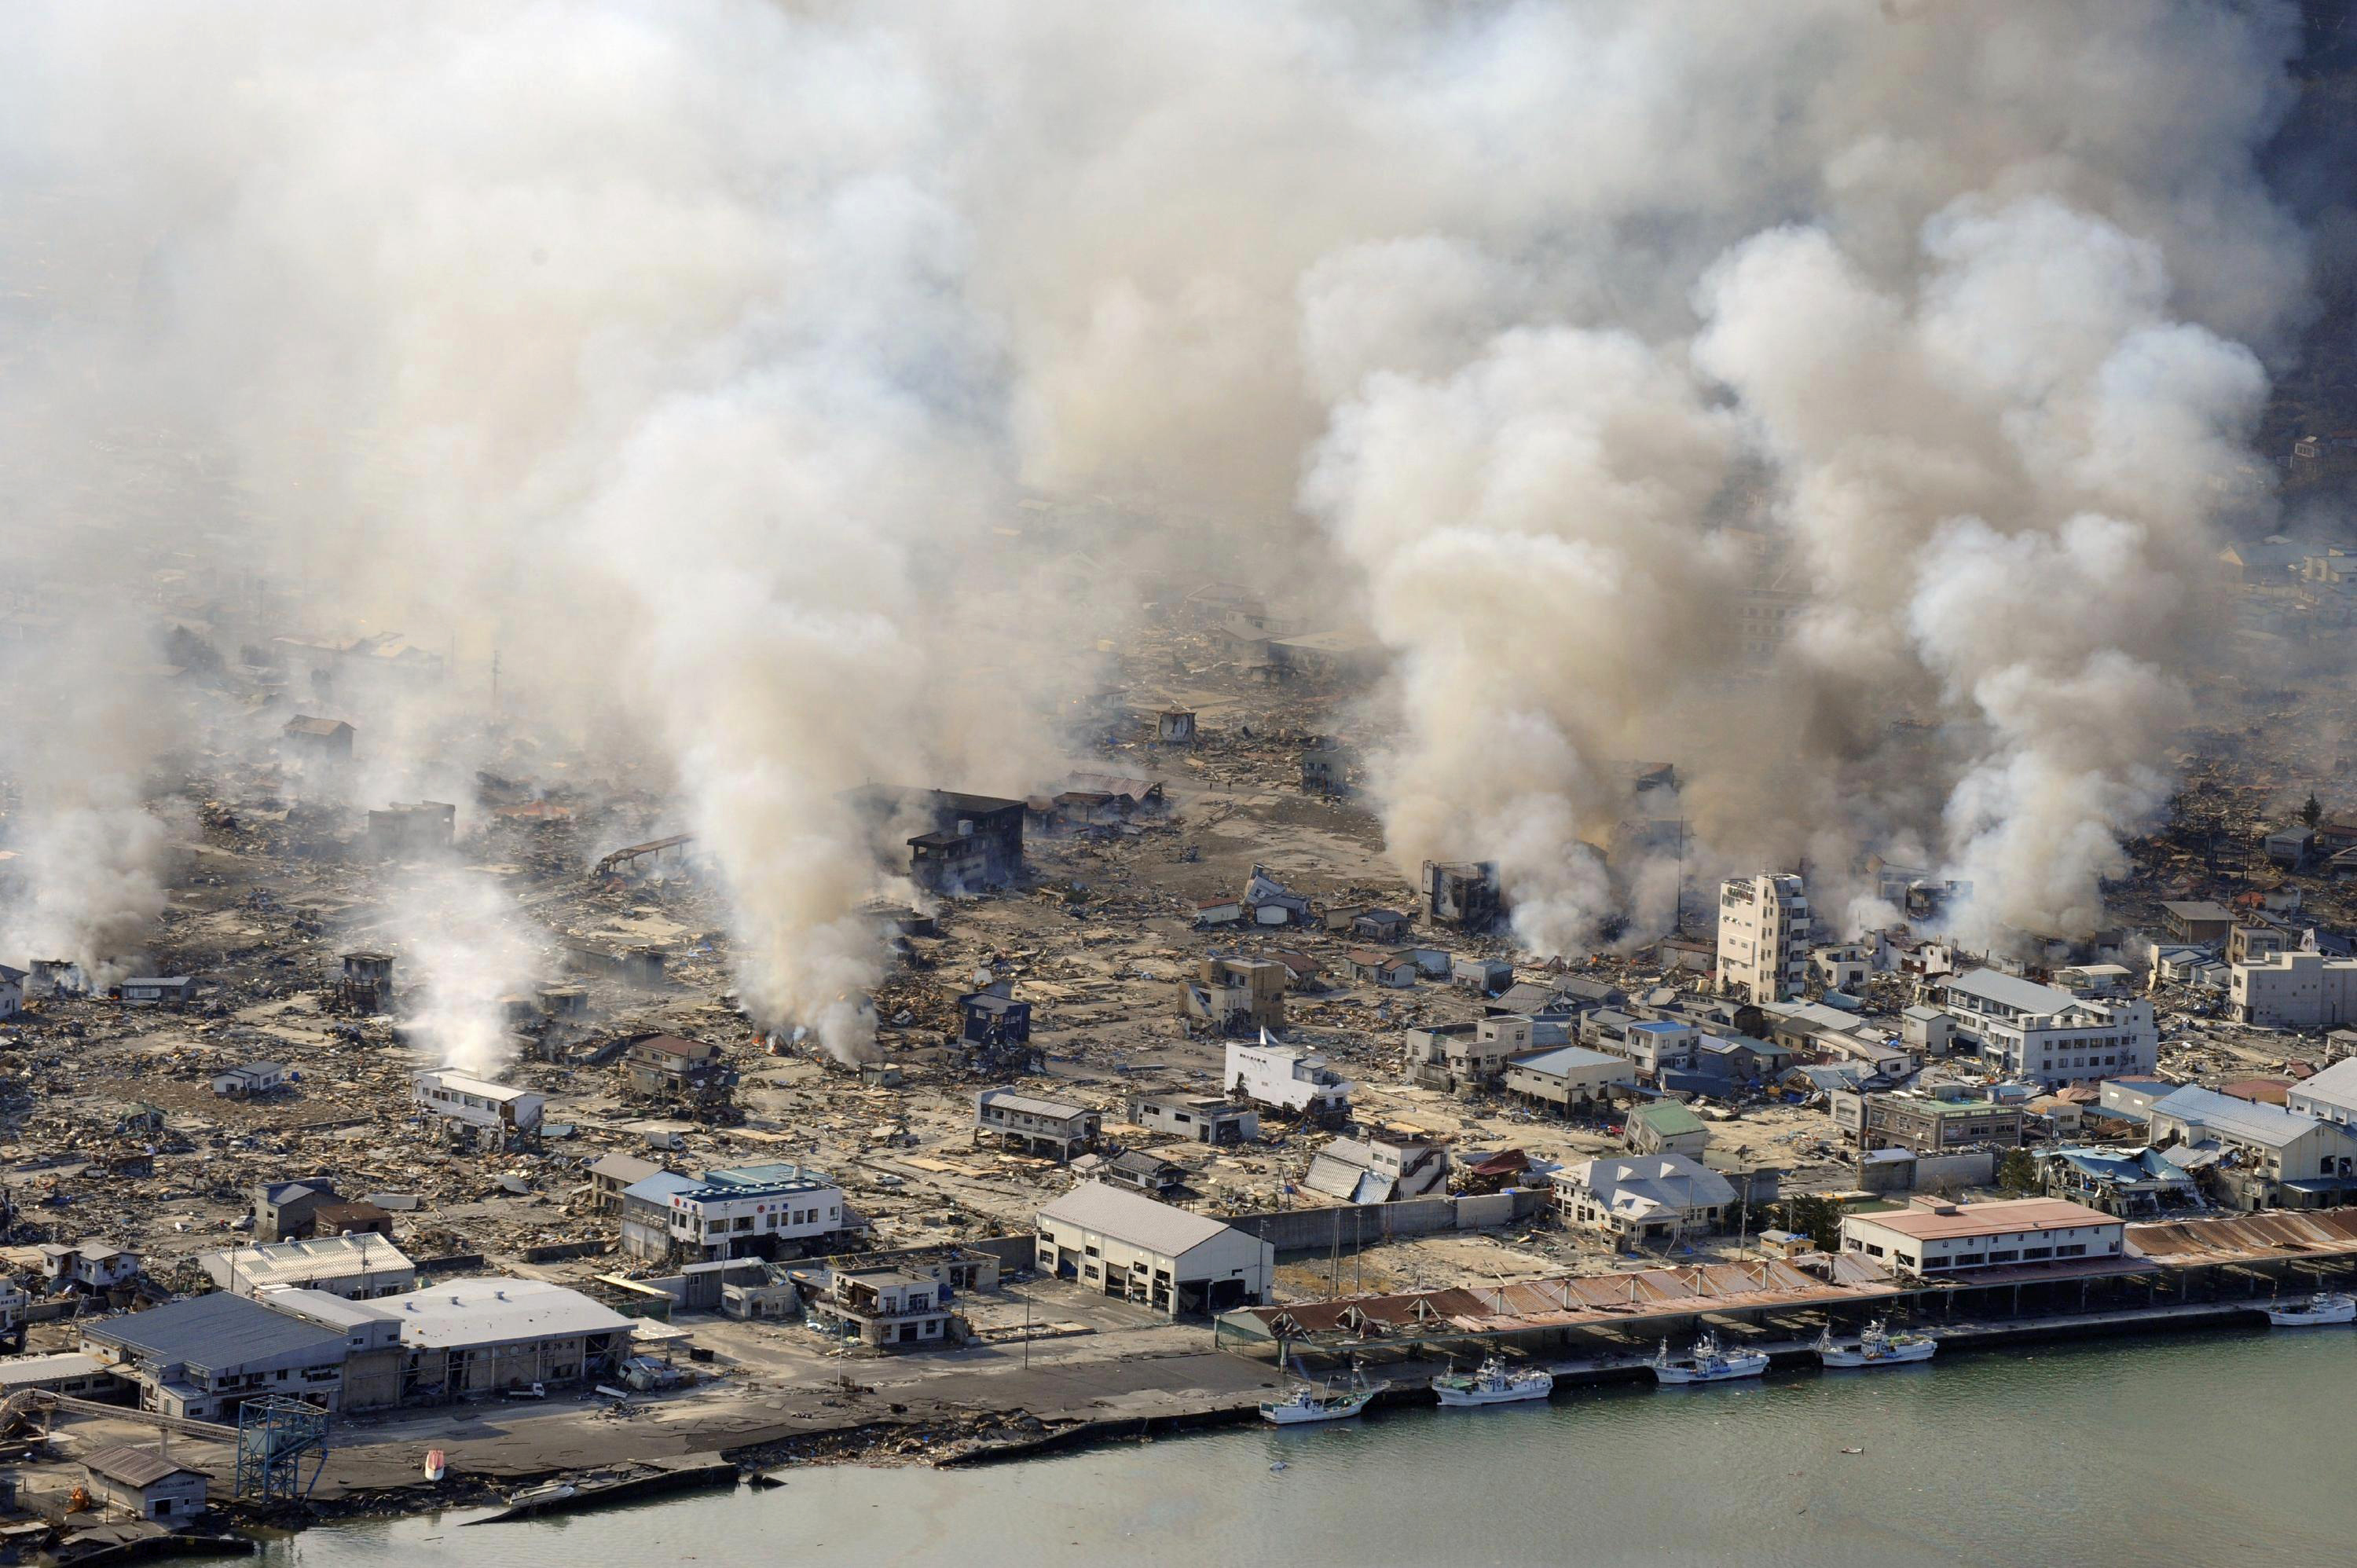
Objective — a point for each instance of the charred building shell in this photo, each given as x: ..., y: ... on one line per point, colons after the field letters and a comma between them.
x: 975, y: 842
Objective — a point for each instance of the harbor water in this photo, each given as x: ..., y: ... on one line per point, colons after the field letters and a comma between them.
x: 2220, y: 1447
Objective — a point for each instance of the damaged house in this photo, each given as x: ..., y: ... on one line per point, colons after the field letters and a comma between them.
x: 971, y: 843
x: 1268, y: 902
x: 1237, y: 995
x: 677, y: 1071
x: 1207, y: 1121
x: 1057, y: 1129
x: 1288, y: 1077
x: 991, y: 1019
x: 1379, y: 1169
x: 1466, y: 894
x: 1095, y: 803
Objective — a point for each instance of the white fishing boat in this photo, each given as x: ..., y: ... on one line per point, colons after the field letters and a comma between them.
x: 435, y: 1467
x: 2328, y: 1306
x: 1321, y: 1400
x: 1708, y: 1363
x: 1877, y: 1346
x: 1495, y: 1383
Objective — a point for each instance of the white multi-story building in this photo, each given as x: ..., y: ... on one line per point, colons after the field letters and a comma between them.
x: 1288, y: 1077
x: 757, y: 1211
x: 2295, y: 990
x: 2048, y: 1036
x: 1763, y: 936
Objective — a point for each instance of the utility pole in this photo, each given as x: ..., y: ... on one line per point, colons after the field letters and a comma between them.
x: 495, y: 683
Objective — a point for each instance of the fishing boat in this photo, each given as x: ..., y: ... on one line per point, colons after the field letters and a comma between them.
x: 1877, y: 1346
x: 435, y: 1464
x: 1495, y: 1383
x: 1708, y: 1363
x: 2326, y: 1306
x: 1321, y: 1400
x: 542, y: 1495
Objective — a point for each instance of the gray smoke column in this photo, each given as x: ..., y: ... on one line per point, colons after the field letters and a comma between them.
x: 1977, y: 394
x: 88, y: 725
x: 698, y: 357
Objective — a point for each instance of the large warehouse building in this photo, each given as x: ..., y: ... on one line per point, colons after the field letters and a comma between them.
x: 1125, y: 1244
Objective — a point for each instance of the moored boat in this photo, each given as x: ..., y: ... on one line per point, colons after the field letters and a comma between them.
x: 1494, y: 1384
x: 1311, y: 1402
x: 435, y: 1465
x: 1708, y: 1363
x: 1877, y: 1347
x: 2326, y: 1306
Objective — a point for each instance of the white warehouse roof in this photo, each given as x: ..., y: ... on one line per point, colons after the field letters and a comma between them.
x: 494, y: 1312
x: 1134, y: 1217
x: 300, y: 1263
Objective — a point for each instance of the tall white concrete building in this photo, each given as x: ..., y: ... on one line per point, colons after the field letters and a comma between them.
x: 1763, y: 937
x: 2302, y: 990
x: 2048, y: 1036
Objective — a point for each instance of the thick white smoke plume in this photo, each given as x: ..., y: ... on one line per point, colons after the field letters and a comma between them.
x: 697, y: 355
x: 463, y: 949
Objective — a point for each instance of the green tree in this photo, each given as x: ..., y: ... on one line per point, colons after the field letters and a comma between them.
x: 1819, y: 1218
x: 2313, y: 813
x: 2018, y: 1172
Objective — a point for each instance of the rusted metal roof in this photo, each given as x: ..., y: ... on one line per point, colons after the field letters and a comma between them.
x: 2247, y: 1238
x: 1570, y: 1302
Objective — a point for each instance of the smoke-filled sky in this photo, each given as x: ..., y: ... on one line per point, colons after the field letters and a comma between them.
x: 698, y: 354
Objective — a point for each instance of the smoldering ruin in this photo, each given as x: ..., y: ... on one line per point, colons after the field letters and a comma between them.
x: 915, y: 552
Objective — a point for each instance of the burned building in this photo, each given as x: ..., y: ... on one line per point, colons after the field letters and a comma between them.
x: 1325, y: 771
x: 975, y: 842
x: 309, y: 741
x: 422, y: 827
x: 367, y: 984
x: 993, y: 1018
x: 676, y: 1071
x: 1236, y: 995
x: 1465, y: 894
x: 1095, y: 803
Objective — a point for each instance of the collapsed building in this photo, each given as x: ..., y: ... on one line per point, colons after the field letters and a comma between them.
x: 1466, y: 894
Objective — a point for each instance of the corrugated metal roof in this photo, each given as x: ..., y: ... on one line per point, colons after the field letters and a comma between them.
x: 2271, y: 1126
x: 217, y: 1331
x: 2248, y: 1238
x: 1563, y: 1059
x: 1133, y: 1218
x: 300, y: 1263
x: 140, y: 1467
x: 21, y: 1371
x: 1568, y: 1302
x: 2012, y: 991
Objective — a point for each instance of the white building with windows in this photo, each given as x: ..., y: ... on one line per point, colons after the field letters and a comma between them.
x: 478, y: 1101
x: 1763, y: 936
x: 751, y: 1211
x: 1288, y: 1077
x: 1956, y: 1238
x: 2043, y: 1033
x: 2295, y: 990
x: 2330, y: 1096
